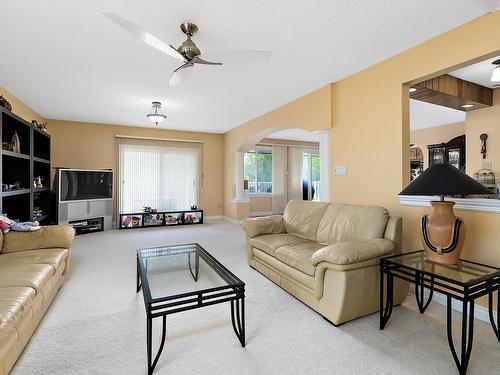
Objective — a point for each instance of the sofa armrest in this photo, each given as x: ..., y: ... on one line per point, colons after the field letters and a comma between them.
x: 394, y: 231
x: 54, y: 236
x: 263, y: 225
x: 353, y: 251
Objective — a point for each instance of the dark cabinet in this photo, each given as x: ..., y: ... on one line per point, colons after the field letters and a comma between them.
x: 452, y: 152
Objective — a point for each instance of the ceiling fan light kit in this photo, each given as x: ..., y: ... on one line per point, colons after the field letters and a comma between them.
x: 156, y: 114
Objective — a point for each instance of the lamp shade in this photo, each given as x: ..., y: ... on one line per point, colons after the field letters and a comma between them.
x: 444, y: 179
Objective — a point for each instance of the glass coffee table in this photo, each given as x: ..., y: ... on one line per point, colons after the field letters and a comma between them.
x: 466, y: 281
x: 184, y: 277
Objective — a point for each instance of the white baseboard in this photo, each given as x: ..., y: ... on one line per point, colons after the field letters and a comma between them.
x: 213, y: 218
x: 231, y: 220
x: 480, y: 312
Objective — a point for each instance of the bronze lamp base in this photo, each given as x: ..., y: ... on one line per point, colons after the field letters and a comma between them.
x: 443, y: 233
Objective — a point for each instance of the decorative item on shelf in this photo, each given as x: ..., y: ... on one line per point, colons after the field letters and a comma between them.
x: 443, y: 233
x: 153, y: 219
x: 483, y: 137
x: 156, y: 114
x: 4, y: 103
x: 34, y: 123
x: 189, y: 218
x: 148, y: 209
x: 38, y: 182
x: 42, y: 126
x: 194, y: 207
x: 15, y: 144
x: 486, y: 177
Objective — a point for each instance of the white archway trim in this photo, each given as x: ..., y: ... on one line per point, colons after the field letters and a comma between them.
x: 324, y: 164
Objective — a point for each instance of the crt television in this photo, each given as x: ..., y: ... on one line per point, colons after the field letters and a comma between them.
x: 82, y: 185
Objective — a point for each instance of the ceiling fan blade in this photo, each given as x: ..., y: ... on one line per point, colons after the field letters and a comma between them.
x: 236, y: 56
x: 197, y: 60
x: 180, y: 74
x: 145, y: 36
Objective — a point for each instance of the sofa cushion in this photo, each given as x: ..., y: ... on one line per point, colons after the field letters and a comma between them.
x: 14, y: 302
x: 302, y: 218
x: 27, y: 275
x: 54, y: 236
x: 346, y: 222
x: 270, y: 242
x: 54, y: 257
x: 298, y: 256
x: 353, y: 251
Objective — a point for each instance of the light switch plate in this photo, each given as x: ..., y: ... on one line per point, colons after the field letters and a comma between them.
x: 340, y: 170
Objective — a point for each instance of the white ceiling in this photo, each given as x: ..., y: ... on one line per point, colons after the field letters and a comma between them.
x: 426, y: 115
x: 295, y: 135
x: 66, y: 60
x: 479, y: 73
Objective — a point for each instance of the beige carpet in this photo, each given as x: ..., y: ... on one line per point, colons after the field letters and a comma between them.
x: 96, y: 324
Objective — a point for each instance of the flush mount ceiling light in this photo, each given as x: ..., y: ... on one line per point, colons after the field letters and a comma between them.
x: 467, y: 106
x: 156, y: 115
x: 413, y: 89
x: 495, y: 76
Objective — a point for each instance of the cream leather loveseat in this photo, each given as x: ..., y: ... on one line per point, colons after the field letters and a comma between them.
x: 32, y: 269
x: 327, y: 255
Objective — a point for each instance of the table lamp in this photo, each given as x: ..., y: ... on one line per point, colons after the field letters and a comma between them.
x: 443, y: 233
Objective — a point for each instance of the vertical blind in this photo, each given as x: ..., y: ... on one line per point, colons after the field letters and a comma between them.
x: 165, y: 175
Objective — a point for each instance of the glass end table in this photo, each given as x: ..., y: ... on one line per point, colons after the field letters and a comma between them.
x: 184, y: 277
x: 466, y: 281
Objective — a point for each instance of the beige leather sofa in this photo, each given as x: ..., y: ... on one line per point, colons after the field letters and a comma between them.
x: 32, y: 269
x: 327, y: 255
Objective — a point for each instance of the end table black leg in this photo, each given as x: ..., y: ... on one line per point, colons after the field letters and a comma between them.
x: 149, y: 338
x: 420, y: 292
x: 385, y: 312
x: 467, y: 334
x: 496, y: 326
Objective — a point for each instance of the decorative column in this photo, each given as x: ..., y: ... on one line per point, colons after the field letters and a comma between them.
x: 239, y: 176
x: 324, y: 164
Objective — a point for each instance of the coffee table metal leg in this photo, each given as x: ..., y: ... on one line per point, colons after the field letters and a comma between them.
x: 496, y: 326
x: 238, y: 318
x: 467, y: 334
x: 385, y: 312
x: 149, y: 330
x: 138, y: 283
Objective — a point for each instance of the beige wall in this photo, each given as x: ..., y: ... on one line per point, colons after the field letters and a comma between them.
x: 371, y: 110
x: 260, y: 204
x: 19, y: 108
x: 311, y: 112
x: 84, y: 145
x: 436, y: 134
x: 486, y: 120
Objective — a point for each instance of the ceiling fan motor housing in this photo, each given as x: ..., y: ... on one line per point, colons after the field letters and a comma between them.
x: 188, y: 48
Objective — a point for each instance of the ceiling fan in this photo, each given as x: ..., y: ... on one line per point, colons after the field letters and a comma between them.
x: 188, y: 52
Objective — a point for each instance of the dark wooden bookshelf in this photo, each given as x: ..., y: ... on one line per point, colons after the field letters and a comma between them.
x: 22, y: 168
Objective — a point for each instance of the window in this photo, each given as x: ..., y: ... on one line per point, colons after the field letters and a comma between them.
x: 160, y: 174
x: 258, y: 170
x: 310, y: 176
